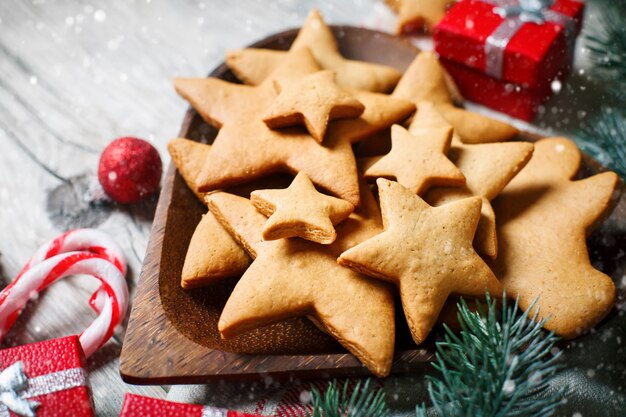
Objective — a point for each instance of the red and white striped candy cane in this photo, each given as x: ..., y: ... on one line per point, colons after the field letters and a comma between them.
x: 105, y: 264
x: 90, y: 240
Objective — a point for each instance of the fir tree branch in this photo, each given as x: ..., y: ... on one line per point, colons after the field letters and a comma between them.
x: 335, y: 402
x: 494, y: 368
x: 606, y: 44
x: 605, y: 139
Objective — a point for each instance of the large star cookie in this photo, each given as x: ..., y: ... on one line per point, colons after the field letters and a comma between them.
x: 245, y: 148
x: 425, y: 80
x: 212, y: 254
x: 295, y: 277
x: 416, y: 15
x: 487, y: 167
x: 252, y: 66
x: 426, y: 251
x: 300, y: 210
x: 417, y: 160
x: 543, y: 219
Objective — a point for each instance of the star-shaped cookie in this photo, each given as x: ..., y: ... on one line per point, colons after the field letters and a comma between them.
x: 425, y: 81
x: 417, y: 160
x: 300, y: 210
x: 487, y: 168
x: 543, y: 220
x: 417, y: 15
x: 313, y: 101
x: 212, y: 254
x: 426, y: 251
x: 252, y: 66
x: 295, y: 277
x: 245, y: 148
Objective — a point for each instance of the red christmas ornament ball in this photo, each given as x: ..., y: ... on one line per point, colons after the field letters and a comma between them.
x: 130, y: 170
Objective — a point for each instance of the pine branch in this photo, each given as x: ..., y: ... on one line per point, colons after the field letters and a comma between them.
x: 364, y: 402
x: 494, y: 368
x: 606, y: 43
x: 605, y: 139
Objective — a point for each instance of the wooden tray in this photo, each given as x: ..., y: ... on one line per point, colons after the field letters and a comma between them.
x: 164, y: 346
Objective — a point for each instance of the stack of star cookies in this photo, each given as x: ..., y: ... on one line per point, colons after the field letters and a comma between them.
x: 289, y: 184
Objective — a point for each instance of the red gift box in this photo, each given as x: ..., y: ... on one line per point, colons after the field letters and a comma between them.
x: 56, y: 378
x: 505, y: 97
x: 535, y: 54
x: 138, y: 406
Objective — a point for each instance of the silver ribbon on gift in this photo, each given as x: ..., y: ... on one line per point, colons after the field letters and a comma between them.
x: 516, y: 13
x: 16, y: 388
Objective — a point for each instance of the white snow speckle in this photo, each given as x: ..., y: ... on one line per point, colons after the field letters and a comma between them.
x: 305, y: 397
x: 32, y: 80
x: 559, y: 148
x: 99, y: 16
x: 556, y: 86
x: 508, y: 387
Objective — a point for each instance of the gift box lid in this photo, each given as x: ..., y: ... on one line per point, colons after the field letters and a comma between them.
x: 534, y: 55
x: 55, y: 368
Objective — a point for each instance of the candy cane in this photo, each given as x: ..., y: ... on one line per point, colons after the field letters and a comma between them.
x: 90, y: 240
x: 42, y: 270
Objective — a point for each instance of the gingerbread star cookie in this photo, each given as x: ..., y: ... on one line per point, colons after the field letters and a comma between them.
x: 313, y: 101
x: 212, y: 254
x: 417, y: 15
x: 245, y: 148
x: 417, y: 160
x: 487, y: 168
x: 426, y: 251
x: 543, y: 219
x: 295, y: 277
x: 300, y: 210
x: 425, y: 81
x: 253, y: 66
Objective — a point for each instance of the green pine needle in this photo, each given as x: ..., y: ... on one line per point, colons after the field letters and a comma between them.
x: 335, y: 402
x: 494, y: 368
x: 605, y: 139
x: 606, y: 43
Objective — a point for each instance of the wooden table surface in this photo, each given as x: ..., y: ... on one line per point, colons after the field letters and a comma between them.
x: 74, y: 75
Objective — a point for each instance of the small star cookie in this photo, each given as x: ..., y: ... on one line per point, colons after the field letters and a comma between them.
x: 300, y: 210
x: 543, y: 220
x: 418, y: 160
x: 425, y: 81
x: 295, y: 277
x: 253, y: 66
x: 313, y: 101
x: 426, y: 251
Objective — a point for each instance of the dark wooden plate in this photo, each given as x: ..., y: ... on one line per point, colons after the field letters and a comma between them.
x: 172, y: 336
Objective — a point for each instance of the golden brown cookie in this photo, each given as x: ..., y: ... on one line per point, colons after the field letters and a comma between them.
x: 245, y: 148
x: 253, y: 66
x: 295, y: 277
x: 300, y: 210
x: 487, y: 167
x: 417, y: 160
x: 426, y: 251
x: 418, y: 15
x: 212, y: 254
x: 189, y: 157
x: 312, y: 101
x: 543, y: 218
x: 425, y: 80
